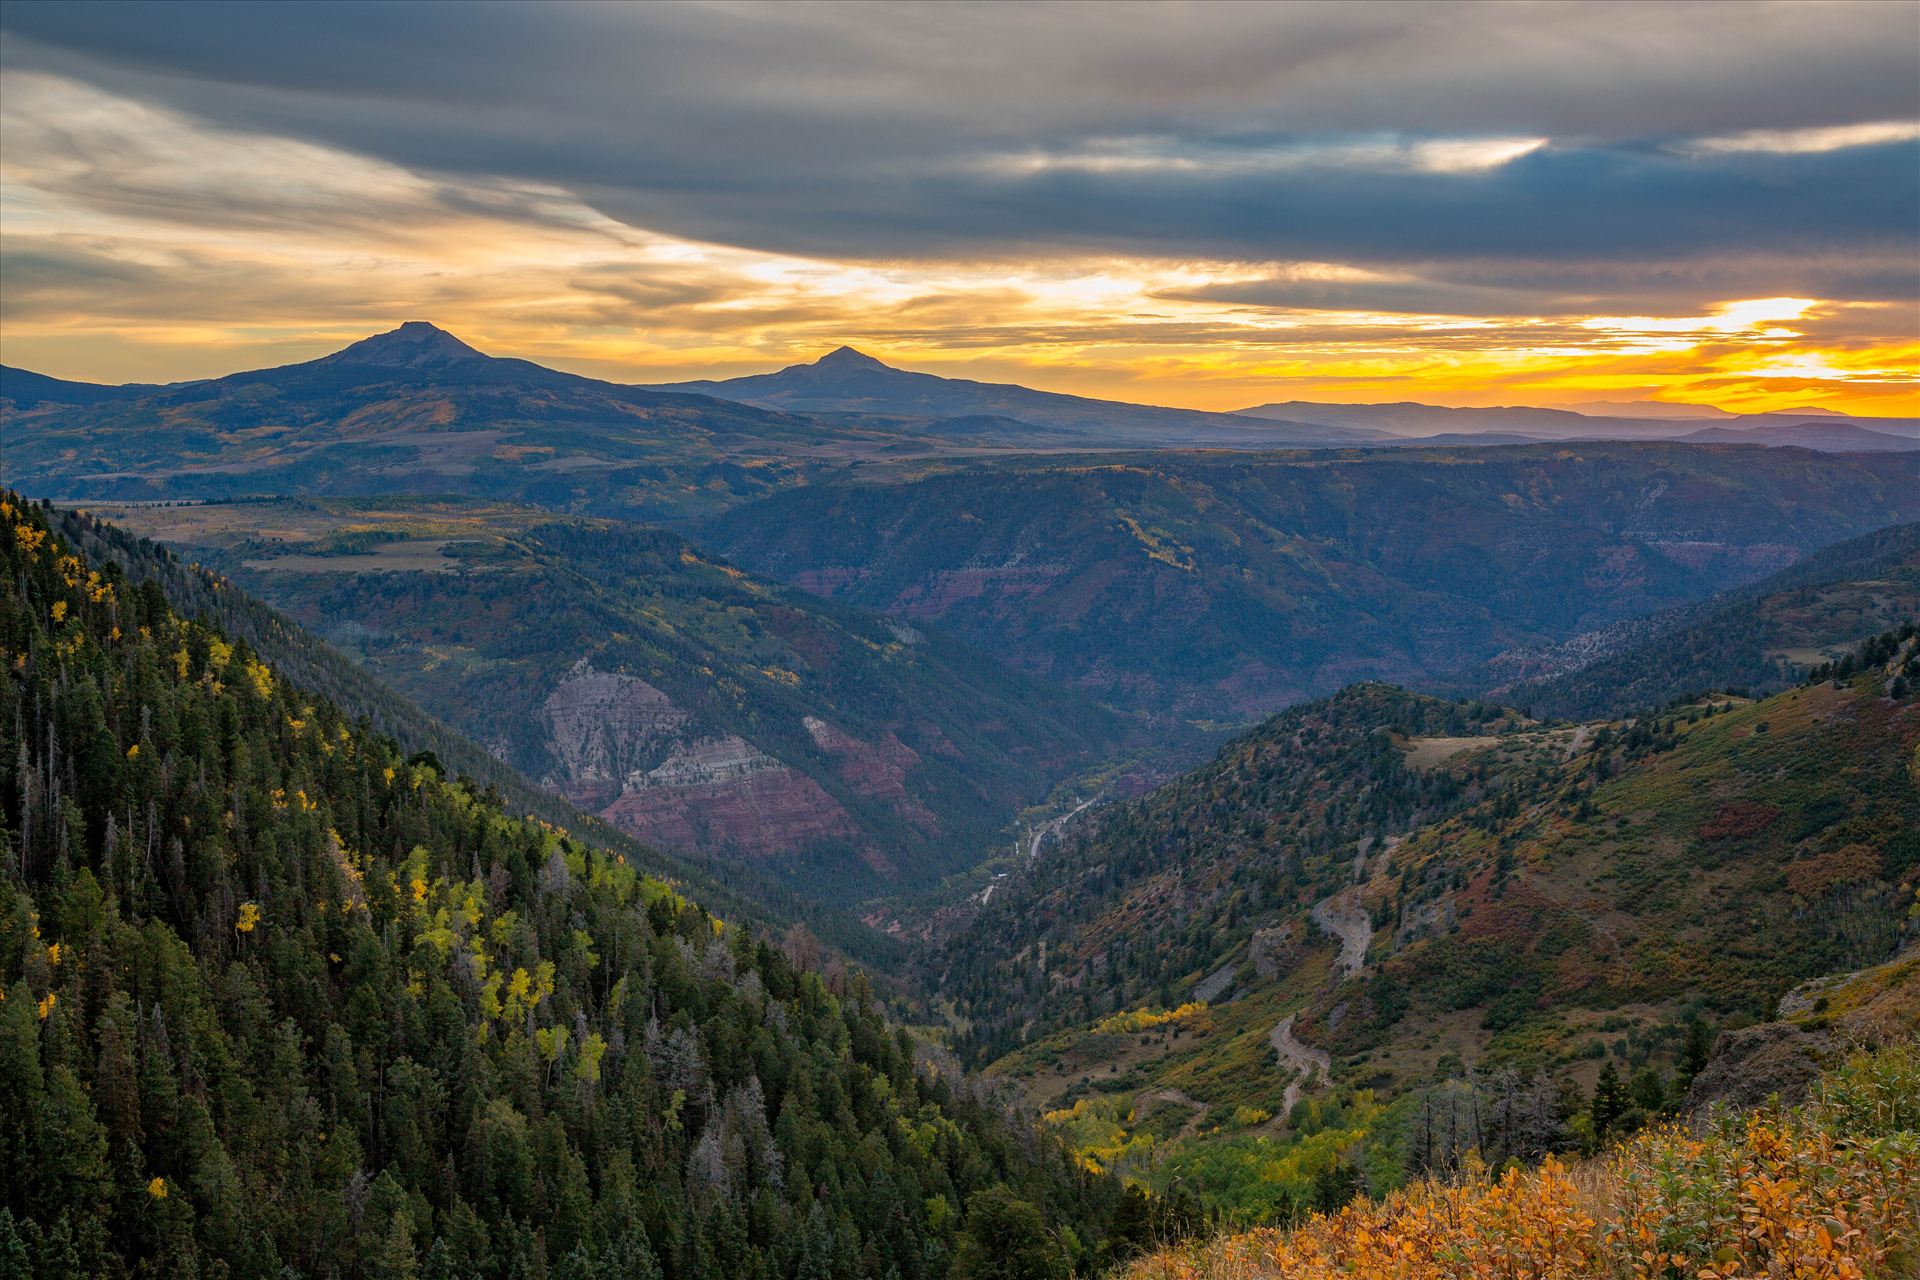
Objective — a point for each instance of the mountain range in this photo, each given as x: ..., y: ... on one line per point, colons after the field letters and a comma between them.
x: 849, y: 382
x: 414, y: 410
x: 417, y: 410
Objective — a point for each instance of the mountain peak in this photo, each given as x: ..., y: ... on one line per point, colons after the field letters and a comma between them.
x: 846, y: 358
x: 414, y: 345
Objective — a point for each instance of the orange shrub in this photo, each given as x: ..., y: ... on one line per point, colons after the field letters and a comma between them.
x: 1848, y: 864
x: 1780, y: 1196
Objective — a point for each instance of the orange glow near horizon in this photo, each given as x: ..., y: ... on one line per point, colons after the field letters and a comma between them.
x: 1745, y: 356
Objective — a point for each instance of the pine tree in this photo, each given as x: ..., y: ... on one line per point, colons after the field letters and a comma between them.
x: 1609, y: 1099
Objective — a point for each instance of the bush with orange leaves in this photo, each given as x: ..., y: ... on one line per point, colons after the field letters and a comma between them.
x: 1827, y: 1191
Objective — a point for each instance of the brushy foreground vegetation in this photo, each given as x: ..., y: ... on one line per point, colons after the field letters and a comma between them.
x: 1830, y: 1190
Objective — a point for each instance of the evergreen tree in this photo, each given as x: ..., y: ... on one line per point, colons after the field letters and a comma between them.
x: 1006, y: 1239
x: 1609, y: 1099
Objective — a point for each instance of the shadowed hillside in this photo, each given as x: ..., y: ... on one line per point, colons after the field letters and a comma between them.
x: 1228, y: 587
x: 1756, y: 639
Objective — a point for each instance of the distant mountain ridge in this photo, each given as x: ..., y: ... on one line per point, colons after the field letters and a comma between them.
x: 1817, y: 429
x: 418, y: 410
x: 413, y: 410
x: 414, y: 345
x: 25, y: 389
x: 1827, y: 435
x: 849, y: 381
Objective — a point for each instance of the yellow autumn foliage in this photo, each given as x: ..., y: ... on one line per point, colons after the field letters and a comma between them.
x: 1147, y: 1019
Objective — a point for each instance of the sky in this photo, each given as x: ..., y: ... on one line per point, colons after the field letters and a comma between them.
x: 1207, y: 205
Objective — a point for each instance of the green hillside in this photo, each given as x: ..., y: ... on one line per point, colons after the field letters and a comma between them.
x: 698, y: 708
x: 1379, y: 915
x: 281, y: 1000
x: 1228, y: 586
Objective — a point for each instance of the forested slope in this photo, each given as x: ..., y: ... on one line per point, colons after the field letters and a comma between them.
x: 280, y: 1000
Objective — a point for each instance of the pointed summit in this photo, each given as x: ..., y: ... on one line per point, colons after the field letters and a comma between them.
x: 847, y: 360
x: 414, y: 345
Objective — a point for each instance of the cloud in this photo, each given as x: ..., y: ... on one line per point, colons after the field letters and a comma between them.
x: 1181, y: 200
x: 1806, y: 141
x: 1558, y: 287
x: 852, y: 131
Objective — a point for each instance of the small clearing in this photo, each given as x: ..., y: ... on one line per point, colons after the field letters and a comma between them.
x: 414, y: 555
x: 1145, y: 1104
x: 1431, y: 753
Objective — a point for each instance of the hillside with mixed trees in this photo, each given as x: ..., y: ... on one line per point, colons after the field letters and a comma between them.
x: 1827, y: 1188
x: 1384, y: 934
x: 280, y: 999
x: 733, y: 889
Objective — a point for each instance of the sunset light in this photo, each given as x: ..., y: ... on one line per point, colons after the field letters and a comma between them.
x: 223, y: 241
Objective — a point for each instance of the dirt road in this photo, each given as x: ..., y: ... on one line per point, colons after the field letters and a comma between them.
x: 1303, y: 1059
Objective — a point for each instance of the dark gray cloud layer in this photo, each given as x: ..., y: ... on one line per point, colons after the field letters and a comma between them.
x: 1238, y: 131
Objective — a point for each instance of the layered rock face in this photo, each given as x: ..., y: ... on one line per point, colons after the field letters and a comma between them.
x: 601, y: 727
x: 622, y: 748
x: 875, y: 770
x: 723, y: 792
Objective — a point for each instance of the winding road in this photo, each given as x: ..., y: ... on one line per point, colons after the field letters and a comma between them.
x: 1045, y: 829
x: 1034, y: 841
x: 1303, y: 1058
x: 1344, y: 916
